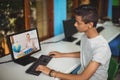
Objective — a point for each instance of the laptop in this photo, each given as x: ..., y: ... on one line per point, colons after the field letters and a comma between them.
x: 22, y: 45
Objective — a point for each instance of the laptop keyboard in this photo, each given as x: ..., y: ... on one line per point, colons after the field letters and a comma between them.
x: 42, y: 60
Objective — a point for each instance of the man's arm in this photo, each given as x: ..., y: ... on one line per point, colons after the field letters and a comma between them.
x: 72, y: 54
x: 85, y: 75
x: 57, y: 54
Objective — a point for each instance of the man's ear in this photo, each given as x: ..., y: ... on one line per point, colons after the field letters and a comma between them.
x: 90, y: 24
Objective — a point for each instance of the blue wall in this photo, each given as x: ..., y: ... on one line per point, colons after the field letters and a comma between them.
x: 59, y: 16
x: 110, y: 9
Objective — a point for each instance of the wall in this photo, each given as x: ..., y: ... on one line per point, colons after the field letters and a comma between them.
x: 110, y: 8
x: 59, y: 16
x: 115, y: 2
x: 60, y: 13
x: 110, y: 3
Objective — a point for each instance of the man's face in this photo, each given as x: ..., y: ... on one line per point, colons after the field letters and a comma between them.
x: 80, y: 25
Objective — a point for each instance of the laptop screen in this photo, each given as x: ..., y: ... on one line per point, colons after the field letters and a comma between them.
x: 24, y: 43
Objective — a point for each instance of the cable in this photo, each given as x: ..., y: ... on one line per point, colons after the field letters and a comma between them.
x: 51, y: 42
x: 6, y: 61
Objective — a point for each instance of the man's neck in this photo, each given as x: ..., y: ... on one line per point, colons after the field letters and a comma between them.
x: 91, y: 33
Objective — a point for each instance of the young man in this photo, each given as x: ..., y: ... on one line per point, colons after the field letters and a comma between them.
x: 95, y: 53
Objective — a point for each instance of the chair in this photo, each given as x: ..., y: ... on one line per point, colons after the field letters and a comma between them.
x: 119, y: 56
x: 114, y: 46
x: 113, y: 69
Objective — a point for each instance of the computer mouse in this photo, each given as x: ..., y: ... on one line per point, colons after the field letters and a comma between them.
x: 100, y: 28
x: 79, y: 42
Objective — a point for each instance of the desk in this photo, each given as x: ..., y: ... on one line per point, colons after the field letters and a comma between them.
x: 110, y: 31
x: 13, y: 71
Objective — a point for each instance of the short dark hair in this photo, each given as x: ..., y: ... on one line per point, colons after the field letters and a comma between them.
x: 88, y: 14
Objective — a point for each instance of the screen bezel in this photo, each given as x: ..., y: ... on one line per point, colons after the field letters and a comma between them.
x: 116, y: 14
x: 10, y: 44
x: 69, y: 29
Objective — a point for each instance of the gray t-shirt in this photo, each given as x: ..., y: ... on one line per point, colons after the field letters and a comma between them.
x: 95, y: 49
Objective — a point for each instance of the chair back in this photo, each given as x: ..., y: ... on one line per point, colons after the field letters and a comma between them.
x: 113, y: 69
